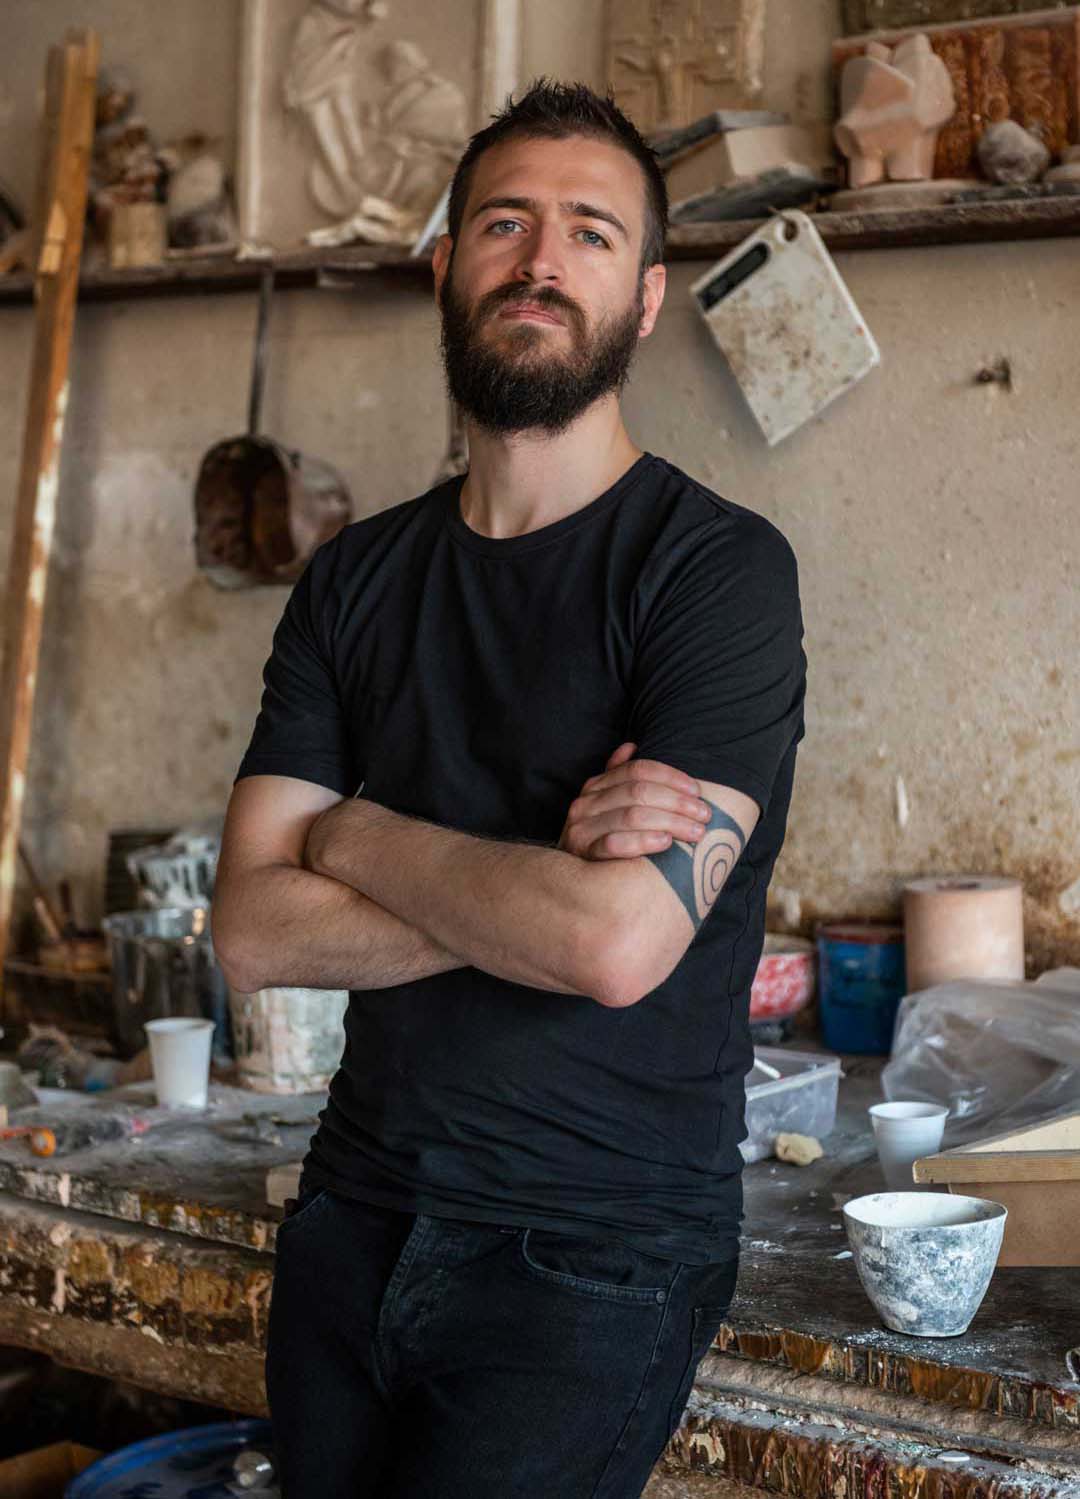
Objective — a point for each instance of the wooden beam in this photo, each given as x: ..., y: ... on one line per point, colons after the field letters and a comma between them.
x: 70, y: 85
x: 394, y: 269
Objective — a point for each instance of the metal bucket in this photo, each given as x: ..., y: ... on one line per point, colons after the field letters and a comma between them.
x: 163, y: 964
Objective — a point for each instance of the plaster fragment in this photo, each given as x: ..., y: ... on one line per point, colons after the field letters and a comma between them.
x: 903, y: 806
x: 1069, y: 899
x: 789, y: 902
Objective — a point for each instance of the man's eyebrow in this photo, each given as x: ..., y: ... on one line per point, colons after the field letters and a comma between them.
x: 590, y: 211
x: 580, y: 210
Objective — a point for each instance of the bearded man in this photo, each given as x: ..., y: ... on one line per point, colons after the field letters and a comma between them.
x: 519, y: 779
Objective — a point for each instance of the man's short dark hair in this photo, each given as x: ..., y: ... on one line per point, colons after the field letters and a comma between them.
x: 554, y: 111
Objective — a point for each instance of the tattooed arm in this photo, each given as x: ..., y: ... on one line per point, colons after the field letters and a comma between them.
x: 537, y: 915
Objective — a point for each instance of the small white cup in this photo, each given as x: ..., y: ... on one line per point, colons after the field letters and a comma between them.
x: 180, y: 1058
x: 904, y: 1132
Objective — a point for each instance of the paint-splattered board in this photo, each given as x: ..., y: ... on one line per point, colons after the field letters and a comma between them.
x: 800, y: 1304
x: 201, y: 1175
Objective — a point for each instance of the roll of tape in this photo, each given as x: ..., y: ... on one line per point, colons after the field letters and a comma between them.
x: 963, y: 926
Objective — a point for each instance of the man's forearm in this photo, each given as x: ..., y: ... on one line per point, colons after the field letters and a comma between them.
x: 299, y: 928
x: 524, y: 912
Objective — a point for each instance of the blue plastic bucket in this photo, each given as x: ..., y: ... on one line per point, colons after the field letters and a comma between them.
x: 178, y: 1465
x: 861, y: 979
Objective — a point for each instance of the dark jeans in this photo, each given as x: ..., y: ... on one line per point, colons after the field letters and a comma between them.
x: 413, y: 1357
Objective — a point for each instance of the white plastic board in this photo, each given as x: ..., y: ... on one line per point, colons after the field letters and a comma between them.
x: 786, y: 323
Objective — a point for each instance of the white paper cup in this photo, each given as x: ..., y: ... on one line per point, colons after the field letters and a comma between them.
x: 180, y: 1058
x: 903, y: 1133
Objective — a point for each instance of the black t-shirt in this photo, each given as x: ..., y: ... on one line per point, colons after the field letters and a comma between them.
x: 478, y: 683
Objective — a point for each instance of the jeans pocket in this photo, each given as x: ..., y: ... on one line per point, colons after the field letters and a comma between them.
x: 705, y: 1322
x: 307, y: 1206
x: 604, y: 1269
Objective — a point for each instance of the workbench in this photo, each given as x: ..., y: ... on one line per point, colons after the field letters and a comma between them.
x: 151, y: 1261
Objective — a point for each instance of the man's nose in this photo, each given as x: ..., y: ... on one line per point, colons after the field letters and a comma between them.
x: 541, y: 258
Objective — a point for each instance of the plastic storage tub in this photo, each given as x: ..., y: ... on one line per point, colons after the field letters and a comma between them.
x: 802, y: 1100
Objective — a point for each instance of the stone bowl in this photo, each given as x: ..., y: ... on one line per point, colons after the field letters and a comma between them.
x: 925, y: 1258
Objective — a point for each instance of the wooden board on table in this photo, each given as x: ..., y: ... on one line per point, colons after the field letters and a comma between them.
x: 1035, y: 1173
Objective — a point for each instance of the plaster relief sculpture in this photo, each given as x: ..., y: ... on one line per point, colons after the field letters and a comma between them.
x: 379, y: 164
x: 893, y: 101
x: 354, y: 112
x: 320, y: 85
x: 668, y: 62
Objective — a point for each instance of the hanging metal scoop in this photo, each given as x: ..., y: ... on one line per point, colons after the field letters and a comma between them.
x: 261, y: 509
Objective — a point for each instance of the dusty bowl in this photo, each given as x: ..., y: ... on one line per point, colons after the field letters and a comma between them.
x: 784, y: 981
x: 925, y: 1258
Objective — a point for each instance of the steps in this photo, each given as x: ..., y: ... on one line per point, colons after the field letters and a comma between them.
x: 750, y: 1427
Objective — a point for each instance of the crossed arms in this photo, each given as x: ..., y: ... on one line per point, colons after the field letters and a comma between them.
x: 330, y: 893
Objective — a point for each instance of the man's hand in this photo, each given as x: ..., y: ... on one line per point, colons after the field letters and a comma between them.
x: 635, y: 807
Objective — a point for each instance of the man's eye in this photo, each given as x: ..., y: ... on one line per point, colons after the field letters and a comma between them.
x: 596, y: 239
x: 500, y: 224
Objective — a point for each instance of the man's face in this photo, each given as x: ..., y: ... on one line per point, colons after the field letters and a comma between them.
x: 541, y: 294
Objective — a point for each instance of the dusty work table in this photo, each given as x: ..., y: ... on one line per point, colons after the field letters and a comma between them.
x: 151, y: 1261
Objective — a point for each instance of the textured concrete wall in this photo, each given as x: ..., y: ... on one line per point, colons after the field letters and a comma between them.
x: 935, y: 520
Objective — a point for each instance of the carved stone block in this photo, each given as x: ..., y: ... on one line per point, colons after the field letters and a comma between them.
x: 1013, y: 67
x: 668, y: 62
x: 878, y: 15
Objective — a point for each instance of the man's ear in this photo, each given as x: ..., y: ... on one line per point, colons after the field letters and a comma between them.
x: 440, y: 261
x: 653, y: 284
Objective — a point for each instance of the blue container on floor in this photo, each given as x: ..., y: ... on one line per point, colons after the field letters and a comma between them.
x: 861, y: 983
x: 192, y: 1464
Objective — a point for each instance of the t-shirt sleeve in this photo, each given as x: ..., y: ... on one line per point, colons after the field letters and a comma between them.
x: 719, y: 669
x: 301, y: 729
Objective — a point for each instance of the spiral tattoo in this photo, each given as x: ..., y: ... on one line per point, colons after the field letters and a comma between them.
x: 696, y: 872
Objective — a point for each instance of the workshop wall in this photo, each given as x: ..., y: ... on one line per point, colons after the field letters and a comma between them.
x: 934, y: 518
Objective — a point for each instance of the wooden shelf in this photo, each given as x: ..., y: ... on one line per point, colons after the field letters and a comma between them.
x: 897, y: 228
x: 881, y: 229
x: 197, y: 275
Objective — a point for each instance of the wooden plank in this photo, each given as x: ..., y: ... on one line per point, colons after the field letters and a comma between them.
x: 203, y: 1176
x: 881, y: 229
x: 154, y: 1308
x: 198, y: 275
x: 872, y: 15
x: 1059, y: 1131
x: 901, y: 228
x: 789, y: 1453
x: 1000, y: 1166
x: 70, y: 86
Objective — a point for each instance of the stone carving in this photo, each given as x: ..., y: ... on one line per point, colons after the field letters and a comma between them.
x: 1012, y: 67
x: 668, y: 62
x: 354, y: 112
x: 894, y: 102
x: 379, y: 164
x: 875, y: 15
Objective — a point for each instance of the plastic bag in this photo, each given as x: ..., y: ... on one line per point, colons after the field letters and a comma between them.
x: 997, y: 1053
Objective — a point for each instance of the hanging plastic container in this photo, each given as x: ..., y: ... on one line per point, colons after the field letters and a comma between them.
x: 203, y: 1462
x: 861, y: 984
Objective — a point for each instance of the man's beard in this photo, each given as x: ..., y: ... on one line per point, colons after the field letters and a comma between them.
x: 516, y: 386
